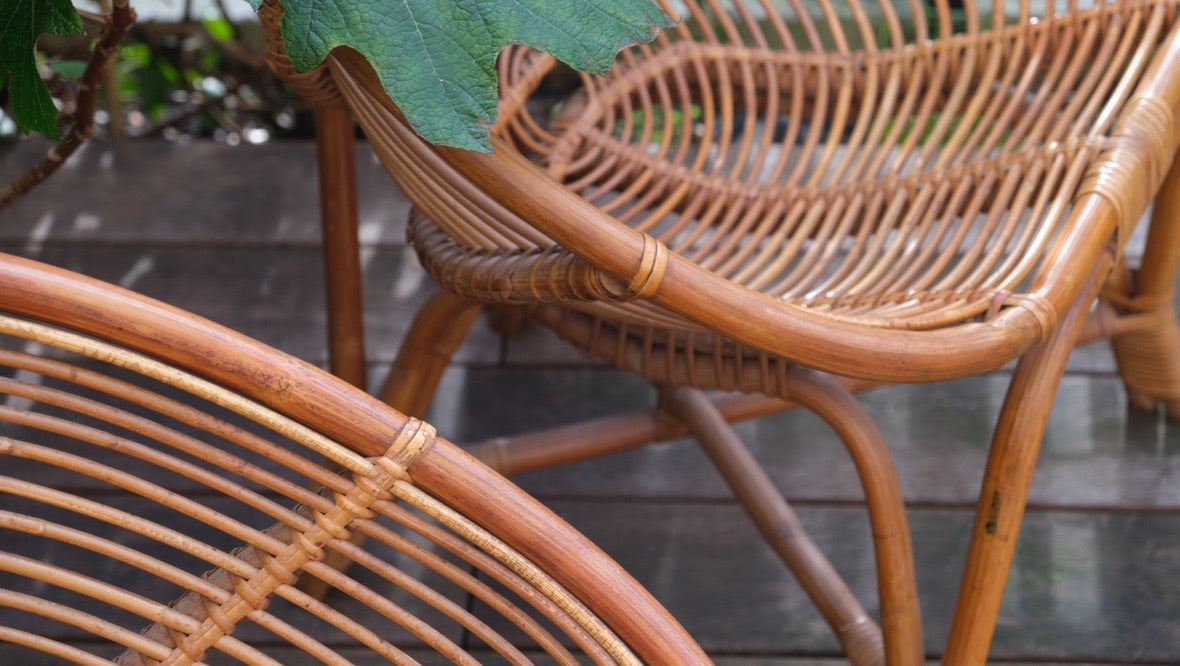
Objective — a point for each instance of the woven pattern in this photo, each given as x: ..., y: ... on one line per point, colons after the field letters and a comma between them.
x: 856, y: 167
x: 91, y: 430
x: 316, y: 85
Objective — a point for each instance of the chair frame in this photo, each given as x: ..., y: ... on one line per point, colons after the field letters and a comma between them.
x: 611, y: 259
x: 173, y: 346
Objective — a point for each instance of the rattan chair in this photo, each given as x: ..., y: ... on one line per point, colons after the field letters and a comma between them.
x: 795, y: 200
x: 156, y: 506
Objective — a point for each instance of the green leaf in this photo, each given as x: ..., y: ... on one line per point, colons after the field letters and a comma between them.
x: 21, y: 23
x: 436, y: 58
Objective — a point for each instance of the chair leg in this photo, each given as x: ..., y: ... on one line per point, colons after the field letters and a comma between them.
x: 1148, y: 355
x: 342, y: 268
x: 1000, y: 509
x: 438, y: 330
x: 859, y: 635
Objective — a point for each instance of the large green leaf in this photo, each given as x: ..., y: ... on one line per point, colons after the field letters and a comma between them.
x: 436, y: 58
x: 21, y: 22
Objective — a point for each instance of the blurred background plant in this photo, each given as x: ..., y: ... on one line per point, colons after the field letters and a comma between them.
x: 187, y: 69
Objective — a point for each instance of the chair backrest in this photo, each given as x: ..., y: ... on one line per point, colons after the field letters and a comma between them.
x: 161, y: 471
x: 926, y: 199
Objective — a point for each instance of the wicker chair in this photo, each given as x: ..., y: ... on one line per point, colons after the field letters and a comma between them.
x: 797, y: 200
x: 142, y: 446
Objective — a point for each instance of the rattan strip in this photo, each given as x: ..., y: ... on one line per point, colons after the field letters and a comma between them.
x: 116, y: 597
x: 526, y: 276
x: 38, y: 606
x: 381, y: 605
x: 237, y: 571
x: 316, y: 85
x: 182, y: 413
x: 163, y: 461
x: 459, y: 577
x: 51, y: 647
x: 489, y: 543
x: 279, y: 566
x: 158, y: 569
x: 225, y: 581
x: 409, y: 162
x: 131, y: 483
x: 994, y: 256
x: 521, y: 70
x: 1126, y: 38
x: 466, y: 552
x: 192, y: 384
x: 915, y: 63
x: 674, y: 356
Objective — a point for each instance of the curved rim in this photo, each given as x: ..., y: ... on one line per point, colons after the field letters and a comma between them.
x: 324, y: 403
x: 1094, y: 229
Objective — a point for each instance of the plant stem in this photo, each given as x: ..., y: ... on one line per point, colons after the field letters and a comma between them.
x: 122, y: 17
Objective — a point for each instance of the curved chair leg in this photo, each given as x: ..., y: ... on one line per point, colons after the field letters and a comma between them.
x: 901, y: 617
x: 342, y: 268
x: 1000, y: 510
x: 1148, y: 354
x: 438, y: 330
x: 858, y: 634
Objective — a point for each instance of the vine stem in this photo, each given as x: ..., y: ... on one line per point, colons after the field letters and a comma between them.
x: 121, y: 18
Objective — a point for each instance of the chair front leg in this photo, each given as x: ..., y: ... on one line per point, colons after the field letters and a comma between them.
x: 1015, y: 445
x: 438, y: 329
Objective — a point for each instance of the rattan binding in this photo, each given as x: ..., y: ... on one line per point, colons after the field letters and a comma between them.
x: 166, y: 489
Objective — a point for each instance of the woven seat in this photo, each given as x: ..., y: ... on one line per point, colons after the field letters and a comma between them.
x: 170, y: 488
x: 797, y: 200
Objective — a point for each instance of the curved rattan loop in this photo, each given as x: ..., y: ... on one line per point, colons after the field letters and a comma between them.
x: 316, y: 85
x: 224, y: 455
x: 527, y: 276
x: 489, y: 543
x: 150, y: 367
x: 948, y: 175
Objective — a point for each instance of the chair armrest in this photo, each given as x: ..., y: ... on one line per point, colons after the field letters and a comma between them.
x: 1090, y: 237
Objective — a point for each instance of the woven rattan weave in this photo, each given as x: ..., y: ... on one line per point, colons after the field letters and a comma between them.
x: 158, y: 508
x: 796, y: 198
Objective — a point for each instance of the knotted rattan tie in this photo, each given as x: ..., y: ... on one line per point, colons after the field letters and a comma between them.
x: 1139, y: 150
x: 272, y: 570
x: 652, y: 265
x: 1042, y: 312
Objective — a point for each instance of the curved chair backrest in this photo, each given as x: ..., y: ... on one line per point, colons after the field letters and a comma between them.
x: 934, y: 205
x: 162, y: 471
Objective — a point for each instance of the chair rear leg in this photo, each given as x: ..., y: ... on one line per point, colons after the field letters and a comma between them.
x: 1148, y: 353
x: 858, y: 634
x: 342, y: 268
x: 1004, y: 492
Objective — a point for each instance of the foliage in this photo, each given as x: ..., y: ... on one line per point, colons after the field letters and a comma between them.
x: 23, y: 21
x: 436, y: 58
x: 201, y: 78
